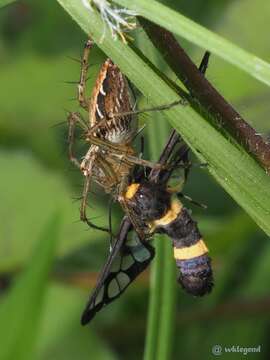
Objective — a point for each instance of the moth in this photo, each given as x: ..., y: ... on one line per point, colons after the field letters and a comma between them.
x: 154, y: 203
x: 150, y: 200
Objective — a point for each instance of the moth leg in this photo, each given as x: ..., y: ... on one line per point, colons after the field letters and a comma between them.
x: 194, y: 202
x: 82, y: 98
x: 142, y: 146
x: 122, y: 200
x: 185, y: 158
x: 187, y: 164
x: 204, y: 63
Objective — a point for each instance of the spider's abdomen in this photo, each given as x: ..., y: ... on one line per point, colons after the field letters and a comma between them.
x: 112, y: 96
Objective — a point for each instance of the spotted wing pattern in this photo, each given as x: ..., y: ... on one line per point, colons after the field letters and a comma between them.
x: 128, y: 258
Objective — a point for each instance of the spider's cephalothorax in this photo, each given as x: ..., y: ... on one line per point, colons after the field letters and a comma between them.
x: 110, y: 130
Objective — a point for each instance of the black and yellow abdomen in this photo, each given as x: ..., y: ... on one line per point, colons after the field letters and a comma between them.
x: 156, y: 207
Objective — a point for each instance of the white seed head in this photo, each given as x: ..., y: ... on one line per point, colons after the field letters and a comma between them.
x: 118, y: 20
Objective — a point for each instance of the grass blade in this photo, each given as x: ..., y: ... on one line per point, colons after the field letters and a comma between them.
x: 159, y: 341
x: 199, y: 35
x: 155, y: 298
x: 21, y: 310
x: 167, y: 309
x: 5, y: 2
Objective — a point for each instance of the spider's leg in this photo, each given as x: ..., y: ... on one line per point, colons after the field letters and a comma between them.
x: 86, y: 188
x: 82, y: 98
x: 73, y: 119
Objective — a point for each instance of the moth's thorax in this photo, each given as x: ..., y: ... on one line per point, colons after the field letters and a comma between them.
x: 112, y: 95
x: 148, y: 200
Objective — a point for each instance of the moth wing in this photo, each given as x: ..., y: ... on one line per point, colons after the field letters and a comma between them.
x: 128, y: 258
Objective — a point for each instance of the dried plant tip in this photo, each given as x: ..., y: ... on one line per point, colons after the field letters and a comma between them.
x: 119, y: 20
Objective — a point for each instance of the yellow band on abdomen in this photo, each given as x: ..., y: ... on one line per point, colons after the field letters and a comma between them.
x: 170, y: 215
x: 190, y: 252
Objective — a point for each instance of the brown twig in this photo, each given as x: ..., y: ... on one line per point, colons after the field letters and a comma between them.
x: 233, y: 309
x: 206, y: 95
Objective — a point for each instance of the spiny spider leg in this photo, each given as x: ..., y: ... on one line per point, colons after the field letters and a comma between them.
x: 203, y: 67
x: 86, y: 188
x: 72, y: 120
x: 118, y: 151
x: 82, y: 98
x: 104, y: 121
x: 156, y: 108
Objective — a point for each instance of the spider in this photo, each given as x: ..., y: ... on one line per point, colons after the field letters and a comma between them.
x: 110, y: 130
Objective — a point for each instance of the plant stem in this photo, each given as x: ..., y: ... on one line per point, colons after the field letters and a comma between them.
x: 162, y: 295
x: 207, y: 96
x: 167, y: 309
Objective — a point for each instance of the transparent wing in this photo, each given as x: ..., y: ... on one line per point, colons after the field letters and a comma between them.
x: 177, y: 165
x: 128, y: 258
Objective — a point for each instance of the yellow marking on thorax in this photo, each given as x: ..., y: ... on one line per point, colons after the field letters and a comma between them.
x: 131, y: 191
x: 170, y: 216
x: 190, y: 252
x: 174, y: 189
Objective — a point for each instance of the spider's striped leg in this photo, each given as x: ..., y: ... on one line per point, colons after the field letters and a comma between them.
x: 88, y: 174
x: 82, y: 98
x: 73, y: 120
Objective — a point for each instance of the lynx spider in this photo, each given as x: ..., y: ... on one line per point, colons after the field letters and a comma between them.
x: 110, y: 130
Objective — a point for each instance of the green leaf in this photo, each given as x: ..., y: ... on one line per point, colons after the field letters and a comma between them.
x: 61, y: 335
x: 232, y: 167
x: 5, y: 2
x: 160, y: 321
x: 21, y: 309
x: 199, y: 35
x: 24, y: 210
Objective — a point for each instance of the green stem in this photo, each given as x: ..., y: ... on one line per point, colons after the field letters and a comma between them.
x: 153, y: 320
x: 167, y: 308
x: 199, y: 35
x: 5, y: 2
x: 162, y: 295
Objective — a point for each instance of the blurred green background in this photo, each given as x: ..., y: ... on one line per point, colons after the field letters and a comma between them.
x: 38, y: 185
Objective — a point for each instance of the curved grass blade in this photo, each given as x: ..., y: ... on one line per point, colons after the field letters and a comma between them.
x: 5, y: 2
x: 21, y: 309
x: 158, y: 343
x: 199, y: 35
